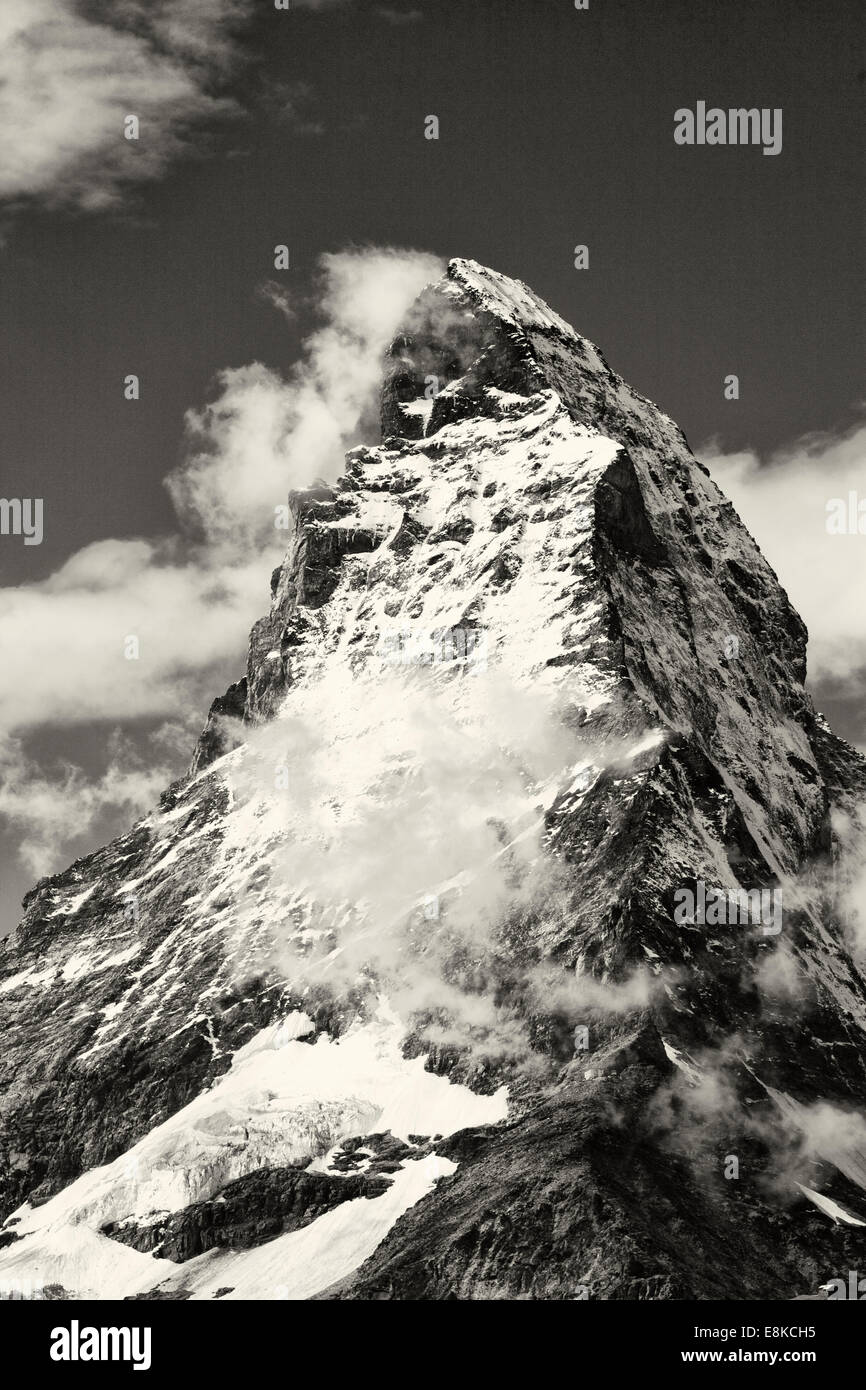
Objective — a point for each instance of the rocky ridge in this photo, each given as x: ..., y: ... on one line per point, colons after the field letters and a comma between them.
x: 617, y: 687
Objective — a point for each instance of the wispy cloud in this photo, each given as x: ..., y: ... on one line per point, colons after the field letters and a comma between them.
x: 70, y: 74
x: 784, y: 502
x: 412, y: 829
x: 190, y: 598
x: 264, y: 435
x: 51, y: 811
x: 294, y: 104
x: 277, y: 295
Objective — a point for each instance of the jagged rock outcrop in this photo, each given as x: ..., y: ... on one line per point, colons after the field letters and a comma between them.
x: 223, y: 729
x: 201, y: 1000
x: 246, y: 1213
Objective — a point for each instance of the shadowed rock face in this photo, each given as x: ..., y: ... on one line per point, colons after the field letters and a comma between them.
x: 525, y: 494
x: 246, y: 1213
x: 578, y: 1200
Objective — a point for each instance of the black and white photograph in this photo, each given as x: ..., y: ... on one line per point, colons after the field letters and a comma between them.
x: 432, y: 671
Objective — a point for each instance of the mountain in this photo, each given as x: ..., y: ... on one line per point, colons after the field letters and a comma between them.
x: 445, y: 972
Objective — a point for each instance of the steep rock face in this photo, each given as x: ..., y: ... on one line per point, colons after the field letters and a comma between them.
x: 247, y: 1212
x: 528, y: 633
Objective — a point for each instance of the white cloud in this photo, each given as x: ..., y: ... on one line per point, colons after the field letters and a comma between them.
x: 262, y: 437
x: 69, y: 76
x: 49, y: 813
x: 68, y: 632
x: 191, y: 598
x: 784, y: 504
x: 849, y: 878
x: 399, y: 790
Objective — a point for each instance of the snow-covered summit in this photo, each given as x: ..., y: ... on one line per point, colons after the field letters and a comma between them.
x: 506, y: 298
x: 523, y: 679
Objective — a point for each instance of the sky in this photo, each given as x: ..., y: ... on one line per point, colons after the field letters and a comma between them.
x: 305, y: 127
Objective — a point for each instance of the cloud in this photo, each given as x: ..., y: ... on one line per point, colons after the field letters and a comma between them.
x: 391, y: 13
x: 190, y: 598
x: 69, y: 633
x: 402, y: 813
x: 779, y: 976
x: 295, y: 105
x: 783, y: 501
x: 279, y: 297
x: 388, y: 826
x: 49, y: 813
x: 849, y: 878
x: 70, y: 74
x: 264, y: 435
x: 819, y: 1131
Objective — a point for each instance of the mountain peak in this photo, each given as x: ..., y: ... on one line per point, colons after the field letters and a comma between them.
x: 526, y: 685
x: 506, y: 298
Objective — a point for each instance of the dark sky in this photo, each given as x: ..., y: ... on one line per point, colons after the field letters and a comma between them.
x: 556, y: 129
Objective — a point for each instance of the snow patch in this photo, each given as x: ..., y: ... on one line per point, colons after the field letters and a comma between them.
x: 678, y: 1059
x: 282, y: 1101
x: 306, y: 1262
x: 830, y: 1208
